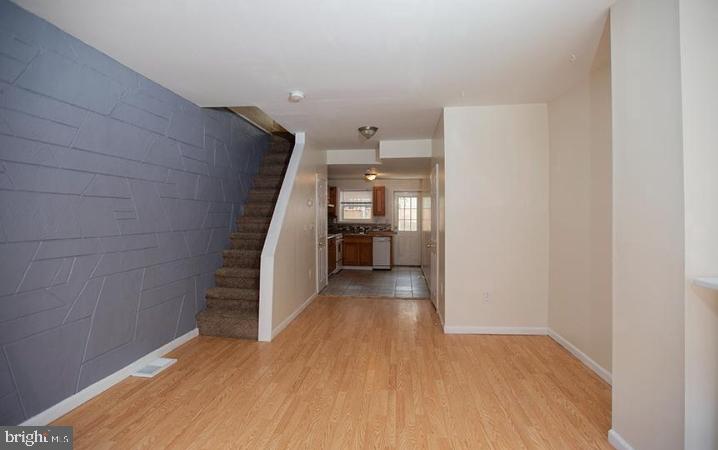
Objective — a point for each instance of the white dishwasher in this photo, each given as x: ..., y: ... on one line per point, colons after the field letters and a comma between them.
x: 381, y: 249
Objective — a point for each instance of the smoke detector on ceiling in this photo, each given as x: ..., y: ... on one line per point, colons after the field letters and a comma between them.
x: 296, y: 96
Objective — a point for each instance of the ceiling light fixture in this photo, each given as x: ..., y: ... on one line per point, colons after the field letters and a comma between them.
x: 370, y: 174
x: 296, y: 96
x: 367, y: 131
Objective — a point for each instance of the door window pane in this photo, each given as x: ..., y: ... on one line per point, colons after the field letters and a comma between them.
x: 407, y: 213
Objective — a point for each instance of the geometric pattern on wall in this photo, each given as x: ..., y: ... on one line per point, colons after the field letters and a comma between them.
x: 116, y: 199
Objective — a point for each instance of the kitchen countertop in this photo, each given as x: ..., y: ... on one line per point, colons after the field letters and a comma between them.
x: 370, y: 234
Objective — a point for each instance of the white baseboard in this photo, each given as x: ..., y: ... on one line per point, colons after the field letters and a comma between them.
x: 533, y: 331
x: 279, y: 328
x: 584, y: 358
x: 617, y: 441
x: 75, y: 400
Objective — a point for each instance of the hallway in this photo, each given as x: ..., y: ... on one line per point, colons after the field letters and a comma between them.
x: 356, y: 373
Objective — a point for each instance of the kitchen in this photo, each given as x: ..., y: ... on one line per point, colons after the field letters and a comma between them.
x: 373, y: 243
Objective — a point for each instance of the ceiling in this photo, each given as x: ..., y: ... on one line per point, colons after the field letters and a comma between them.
x: 394, y: 168
x: 389, y: 63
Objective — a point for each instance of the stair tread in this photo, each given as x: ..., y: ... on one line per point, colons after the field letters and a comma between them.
x: 260, y: 203
x: 237, y: 272
x: 268, y: 178
x: 263, y: 190
x: 229, y: 312
x: 247, y: 235
x: 233, y: 293
x: 242, y: 252
x: 279, y: 157
x: 254, y: 219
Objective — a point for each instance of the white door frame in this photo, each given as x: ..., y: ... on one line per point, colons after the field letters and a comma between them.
x: 395, y: 218
x: 434, y: 238
x: 320, y: 235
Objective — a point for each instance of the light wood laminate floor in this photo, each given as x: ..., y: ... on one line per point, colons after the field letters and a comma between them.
x: 356, y: 373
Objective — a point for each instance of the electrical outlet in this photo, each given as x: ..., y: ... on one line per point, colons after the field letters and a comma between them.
x: 485, y: 295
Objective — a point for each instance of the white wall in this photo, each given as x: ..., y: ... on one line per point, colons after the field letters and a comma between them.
x: 496, y: 217
x: 580, y: 303
x: 353, y: 156
x: 408, y: 148
x: 699, y: 72
x: 648, y: 272
x: 392, y: 185
x: 295, y: 257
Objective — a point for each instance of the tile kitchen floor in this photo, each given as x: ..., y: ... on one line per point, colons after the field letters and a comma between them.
x: 400, y: 282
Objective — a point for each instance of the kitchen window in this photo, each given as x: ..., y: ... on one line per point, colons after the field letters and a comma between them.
x: 355, y: 205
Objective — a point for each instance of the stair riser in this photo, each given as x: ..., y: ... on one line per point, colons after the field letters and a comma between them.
x: 233, y: 282
x: 261, y: 220
x: 267, y: 183
x: 258, y: 211
x: 276, y: 158
x: 252, y: 227
x: 250, y: 306
x: 207, y: 327
x: 279, y: 146
x: 258, y: 196
x: 242, y: 261
x: 246, y: 244
x: 277, y: 155
x: 248, y: 236
x: 271, y: 170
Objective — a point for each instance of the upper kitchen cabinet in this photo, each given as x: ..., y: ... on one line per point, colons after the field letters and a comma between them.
x: 379, y: 201
x: 332, y: 201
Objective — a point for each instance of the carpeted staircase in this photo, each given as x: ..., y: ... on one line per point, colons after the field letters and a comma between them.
x: 233, y: 305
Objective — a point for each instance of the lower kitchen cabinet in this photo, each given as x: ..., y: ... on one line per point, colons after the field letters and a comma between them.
x: 357, y: 251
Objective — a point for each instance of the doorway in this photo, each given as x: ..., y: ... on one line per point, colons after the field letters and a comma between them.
x: 407, y: 223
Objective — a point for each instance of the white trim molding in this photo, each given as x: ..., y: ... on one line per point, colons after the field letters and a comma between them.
x: 617, y: 441
x: 266, y: 267
x: 93, y: 390
x: 279, y: 328
x: 584, y: 358
x: 530, y: 331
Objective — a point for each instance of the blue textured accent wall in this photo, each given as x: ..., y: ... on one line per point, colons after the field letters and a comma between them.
x: 116, y: 199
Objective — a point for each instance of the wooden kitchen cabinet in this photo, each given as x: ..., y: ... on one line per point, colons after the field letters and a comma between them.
x: 332, y: 202
x: 357, y: 251
x: 331, y: 255
x: 366, y: 255
x: 379, y: 201
x: 350, y: 257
